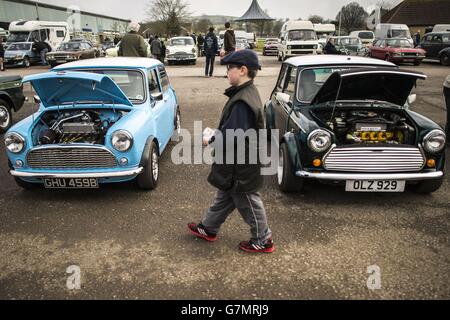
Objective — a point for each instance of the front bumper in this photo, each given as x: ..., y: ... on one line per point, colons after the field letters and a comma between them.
x: 13, y: 61
x: 369, y: 176
x: 75, y: 175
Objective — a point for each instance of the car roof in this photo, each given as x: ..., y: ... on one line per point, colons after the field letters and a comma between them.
x: 313, y: 60
x: 119, y: 62
x: 437, y: 32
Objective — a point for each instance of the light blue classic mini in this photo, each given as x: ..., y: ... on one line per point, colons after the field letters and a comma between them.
x: 100, y: 121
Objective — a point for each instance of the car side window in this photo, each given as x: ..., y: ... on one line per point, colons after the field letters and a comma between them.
x: 281, y: 78
x: 153, y: 85
x: 446, y: 38
x: 437, y: 39
x: 289, y: 83
x: 164, y: 78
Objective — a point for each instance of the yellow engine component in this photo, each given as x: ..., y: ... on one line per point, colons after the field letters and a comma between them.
x: 378, y: 136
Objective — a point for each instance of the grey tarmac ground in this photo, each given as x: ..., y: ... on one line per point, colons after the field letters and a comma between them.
x: 134, y: 245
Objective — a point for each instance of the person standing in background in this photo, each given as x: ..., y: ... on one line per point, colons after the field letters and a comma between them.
x: 210, y: 47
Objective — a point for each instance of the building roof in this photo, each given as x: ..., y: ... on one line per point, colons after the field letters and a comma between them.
x: 119, y: 62
x: 51, y: 6
x: 419, y: 13
x: 255, y: 13
x: 318, y: 60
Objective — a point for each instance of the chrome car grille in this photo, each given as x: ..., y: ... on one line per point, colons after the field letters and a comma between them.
x: 303, y: 46
x: 71, y: 158
x: 374, y: 159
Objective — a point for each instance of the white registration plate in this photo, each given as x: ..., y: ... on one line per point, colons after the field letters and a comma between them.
x: 375, y: 186
x: 80, y: 183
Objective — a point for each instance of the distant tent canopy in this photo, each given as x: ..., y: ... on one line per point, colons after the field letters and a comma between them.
x: 255, y: 14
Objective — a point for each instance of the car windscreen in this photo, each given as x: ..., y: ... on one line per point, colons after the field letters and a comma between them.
x: 311, y: 80
x: 69, y: 46
x: 400, y: 33
x: 131, y: 82
x: 399, y: 43
x: 20, y: 47
x: 365, y: 35
x: 18, y: 37
x: 302, y: 35
x: 350, y: 41
x: 181, y: 42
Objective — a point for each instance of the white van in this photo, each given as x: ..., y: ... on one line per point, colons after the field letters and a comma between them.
x: 367, y: 37
x: 441, y: 28
x: 391, y: 30
x: 54, y: 33
x: 297, y: 38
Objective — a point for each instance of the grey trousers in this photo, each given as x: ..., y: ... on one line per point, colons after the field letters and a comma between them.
x: 249, y: 205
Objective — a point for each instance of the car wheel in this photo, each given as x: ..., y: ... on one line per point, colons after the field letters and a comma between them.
x: 287, y: 181
x: 25, y: 185
x: 5, y: 116
x: 445, y: 60
x: 26, y: 62
x: 148, y: 180
x: 268, y: 126
x: 427, y: 186
x: 177, y: 131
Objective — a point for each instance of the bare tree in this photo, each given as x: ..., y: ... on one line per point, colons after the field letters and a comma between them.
x: 171, y: 13
x: 352, y: 17
x: 203, y: 25
x: 315, y: 19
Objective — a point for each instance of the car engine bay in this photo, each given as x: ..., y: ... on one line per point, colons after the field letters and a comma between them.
x: 369, y: 127
x: 75, y: 126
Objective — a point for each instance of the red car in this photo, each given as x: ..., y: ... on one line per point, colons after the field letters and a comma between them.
x: 397, y: 50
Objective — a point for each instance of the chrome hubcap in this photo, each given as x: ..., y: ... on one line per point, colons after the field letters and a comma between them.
x: 280, y: 170
x: 4, y: 117
x: 155, y: 166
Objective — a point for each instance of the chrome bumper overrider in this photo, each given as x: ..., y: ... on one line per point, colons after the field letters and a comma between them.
x: 370, y: 176
x: 112, y: 174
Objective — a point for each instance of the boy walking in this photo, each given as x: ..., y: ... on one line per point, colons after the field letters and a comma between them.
x: 238, y: 184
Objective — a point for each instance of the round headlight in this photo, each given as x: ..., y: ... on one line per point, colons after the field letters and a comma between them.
x: 319, y: 141
x: 14, y: 142
x: 434, y: 141
x: 193, y: 50
x: 121, y: 140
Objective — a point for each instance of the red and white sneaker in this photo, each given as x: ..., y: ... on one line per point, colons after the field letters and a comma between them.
x: 200, y: 231
x: 251, y: 247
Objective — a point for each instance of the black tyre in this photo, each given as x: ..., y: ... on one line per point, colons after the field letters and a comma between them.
x: 427, y: 186
x: 287, y: 180
x: 5, y: 116
x: 148, y: 180
x: 26, y: 62
x: 445, y: 60
x: 268, y: 125
x: 26, y: 185
x: 177, y: 131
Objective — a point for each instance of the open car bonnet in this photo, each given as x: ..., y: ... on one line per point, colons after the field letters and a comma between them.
x: 381, y: 84
x: 64, y: 87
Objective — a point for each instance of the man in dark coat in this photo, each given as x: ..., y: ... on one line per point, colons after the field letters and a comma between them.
x: 210, y: 47
x: 238, y: 181
x: 229, y: 39
x: 200, y: 41
x: 2, y: 55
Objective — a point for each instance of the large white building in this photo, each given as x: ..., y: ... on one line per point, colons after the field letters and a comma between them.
x: 80, y: 22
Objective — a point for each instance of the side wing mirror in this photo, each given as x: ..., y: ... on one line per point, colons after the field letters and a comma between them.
x: 157, y: 96
x: 36, y: 99
x: 283, y: 98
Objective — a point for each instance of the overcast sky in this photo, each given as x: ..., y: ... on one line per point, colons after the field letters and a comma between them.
x: 280, y: 9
